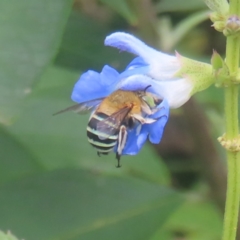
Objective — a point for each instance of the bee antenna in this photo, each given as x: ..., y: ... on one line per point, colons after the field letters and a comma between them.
x: 145, y: 89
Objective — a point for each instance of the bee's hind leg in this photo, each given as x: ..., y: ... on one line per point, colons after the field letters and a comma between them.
x: 122, y: 138
x: 118, y: 157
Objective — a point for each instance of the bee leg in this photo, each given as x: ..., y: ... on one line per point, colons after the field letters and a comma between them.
x: 122, y: 138
x: 146, y: 109
x: 99, y: 154
x: 155, y: 110
x: 143, y: 120
x: 118, y: 159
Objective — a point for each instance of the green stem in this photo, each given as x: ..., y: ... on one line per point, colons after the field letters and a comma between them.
x: 232, y: 202
x: 233, y: 185
x: 231, y: 113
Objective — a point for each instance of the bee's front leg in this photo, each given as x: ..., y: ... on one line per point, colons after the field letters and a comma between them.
x: 143, y: 120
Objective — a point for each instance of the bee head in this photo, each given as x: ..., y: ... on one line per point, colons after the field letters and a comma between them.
x: 151, y: 100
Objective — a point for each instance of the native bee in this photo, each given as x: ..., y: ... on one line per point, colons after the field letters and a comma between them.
x: 113, y: 115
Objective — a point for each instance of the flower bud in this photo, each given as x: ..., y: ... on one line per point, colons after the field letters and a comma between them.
x: 232, y: 25
x: 219, y: 6
x: 215, y: 16
x: 219, y: 26
x: 219, y: 15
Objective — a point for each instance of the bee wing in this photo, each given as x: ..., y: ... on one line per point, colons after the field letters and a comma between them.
x: 81, y: 108
x: 111, y: 124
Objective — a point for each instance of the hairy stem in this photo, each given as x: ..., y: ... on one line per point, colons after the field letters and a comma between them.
x: 231, y: 113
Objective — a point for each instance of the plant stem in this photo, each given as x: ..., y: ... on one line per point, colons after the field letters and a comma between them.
x: 233, y: 184
x: 231, y: 113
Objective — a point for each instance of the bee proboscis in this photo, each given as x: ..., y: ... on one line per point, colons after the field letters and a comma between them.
x: 114, y: 115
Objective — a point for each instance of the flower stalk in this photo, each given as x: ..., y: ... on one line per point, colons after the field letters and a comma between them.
x: 233, y: 184
x: 231, y: 113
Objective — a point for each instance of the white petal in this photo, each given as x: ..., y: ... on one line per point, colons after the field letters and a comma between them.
x: 176, y: 92
x: 162, y: 66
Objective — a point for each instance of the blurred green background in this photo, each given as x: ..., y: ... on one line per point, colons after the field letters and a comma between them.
x: 53, y: 186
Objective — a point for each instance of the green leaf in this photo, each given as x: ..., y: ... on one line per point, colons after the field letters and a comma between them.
x: 216, y: 60
x: 220, y: 70
x: 219, y: 6
x: 123, y: 8
x: 182, y: 5
x: 189, y: 23
x: 30, y: 32
x: 74, y: 204
x: 83, y: 47
x: 7, y: 236
x: 53, y: 140
x: 16, y: 160
x: 198, y: 220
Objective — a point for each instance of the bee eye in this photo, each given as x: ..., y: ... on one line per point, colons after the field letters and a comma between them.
x: 157, y: 101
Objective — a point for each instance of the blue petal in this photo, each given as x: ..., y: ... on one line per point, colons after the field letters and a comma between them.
x: 154, y: 131
x: 135, y: 67
x: 134, y: 142
x: 138, y: 82
x: 136, y: 62
x: 129, y: 43
x: 161, y: 66
x: 131, y: 72
x: 93, y: 85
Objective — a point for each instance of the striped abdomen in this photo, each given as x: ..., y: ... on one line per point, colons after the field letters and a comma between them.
x: 103, y: 145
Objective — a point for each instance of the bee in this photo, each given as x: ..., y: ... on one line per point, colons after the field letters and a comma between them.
x: 114, y: 115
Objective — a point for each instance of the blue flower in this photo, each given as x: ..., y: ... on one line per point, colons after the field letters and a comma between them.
x: 93, y: 86
x: 154, y: 68
x: 152, y: 131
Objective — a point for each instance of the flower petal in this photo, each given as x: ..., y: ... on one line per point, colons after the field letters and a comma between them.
x: 129, y: 43
x: 162, y: 66
x: 138, y: 136
x: 138, y: 82
x: 176, y: 92
x: 156, y: 129
x: 136, y: 63
x: 93, y: 85
x: 134, y: 142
